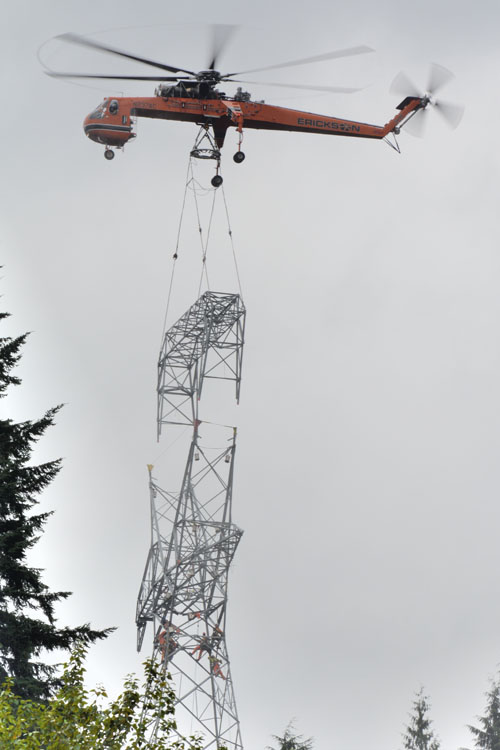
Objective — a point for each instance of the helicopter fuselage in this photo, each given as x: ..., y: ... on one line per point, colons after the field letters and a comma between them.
x: 112, y: 122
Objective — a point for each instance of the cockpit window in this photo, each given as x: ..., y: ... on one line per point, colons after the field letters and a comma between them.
x: 113, y: 107
x: 100, y: 111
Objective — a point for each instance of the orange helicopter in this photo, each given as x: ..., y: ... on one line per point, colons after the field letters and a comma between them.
x: 194, y: 97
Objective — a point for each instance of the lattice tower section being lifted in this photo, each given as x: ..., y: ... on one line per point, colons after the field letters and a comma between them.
x: 193, y: 537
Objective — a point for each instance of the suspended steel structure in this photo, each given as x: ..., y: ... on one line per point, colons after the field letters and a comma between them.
x: 184, y: 590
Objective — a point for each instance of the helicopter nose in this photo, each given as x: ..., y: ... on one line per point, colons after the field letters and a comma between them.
x: 90, y: 128
x: 110, y: 131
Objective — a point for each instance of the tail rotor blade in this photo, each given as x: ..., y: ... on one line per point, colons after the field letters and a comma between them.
x: 451, y: 113
x: 439, y: 76
x: 417, y: 125
x: 404, y: 86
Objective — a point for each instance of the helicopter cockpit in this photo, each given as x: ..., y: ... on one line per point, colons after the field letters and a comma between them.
x: 107, y: 105
x: 99, y: 111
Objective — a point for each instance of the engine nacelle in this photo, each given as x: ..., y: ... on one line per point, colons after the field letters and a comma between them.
x: 109, y: 124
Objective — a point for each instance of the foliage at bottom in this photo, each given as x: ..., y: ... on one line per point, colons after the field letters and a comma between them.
x: 79, y: 719
x: 487, y: 735
x: 419, y: 734
x: 291, y: 741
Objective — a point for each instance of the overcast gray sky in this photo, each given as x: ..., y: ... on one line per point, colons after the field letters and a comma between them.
x: 367, y: 471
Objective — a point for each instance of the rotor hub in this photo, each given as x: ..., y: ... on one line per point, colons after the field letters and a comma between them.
x: 209, y: 75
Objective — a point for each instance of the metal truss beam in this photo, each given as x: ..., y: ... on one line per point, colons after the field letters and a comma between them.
x: 206, y: 342
x: 193, y: 538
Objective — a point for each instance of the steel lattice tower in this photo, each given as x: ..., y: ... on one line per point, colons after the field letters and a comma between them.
x: 193, y: 538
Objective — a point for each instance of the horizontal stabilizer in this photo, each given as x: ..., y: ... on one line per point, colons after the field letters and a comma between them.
x: 407, y: 101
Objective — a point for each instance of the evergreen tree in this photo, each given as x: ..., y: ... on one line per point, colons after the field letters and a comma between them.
x: 27, y: 620
x: 418, y: 734
x: 292, y: 741
x: 487, y: 735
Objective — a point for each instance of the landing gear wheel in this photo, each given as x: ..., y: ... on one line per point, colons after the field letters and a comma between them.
x: 239, y: 157
x: 216, y: 180
x: 108, y: 154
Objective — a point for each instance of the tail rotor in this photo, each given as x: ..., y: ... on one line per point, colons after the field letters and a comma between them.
x: 439, y: 77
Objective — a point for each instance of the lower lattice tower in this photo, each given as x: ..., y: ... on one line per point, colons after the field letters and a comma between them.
x: 193, y: 537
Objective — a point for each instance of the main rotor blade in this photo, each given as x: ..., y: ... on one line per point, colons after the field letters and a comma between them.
x: 221, y: 34
x: 404, y: 86
x: 84, y: 42
x: 349, y: 52
x: 438, y: 77
x: 331, y: 89
x: 451, y: 113
x: 55, y: 74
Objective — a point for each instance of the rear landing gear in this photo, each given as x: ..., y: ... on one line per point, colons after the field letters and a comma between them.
x: 216, y: 180
x: 108, y: 154
x: 239, y: 155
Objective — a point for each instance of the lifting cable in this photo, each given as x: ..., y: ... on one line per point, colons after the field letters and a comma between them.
x: 195, y: 187
x: 230, y: 232
x: 175, y: 256
x: 198, y: 190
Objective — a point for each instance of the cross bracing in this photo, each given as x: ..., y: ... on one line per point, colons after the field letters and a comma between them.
x: 189, y: 529
x: 206, y: 342
x: 193, y: 538
x: 184, y: 592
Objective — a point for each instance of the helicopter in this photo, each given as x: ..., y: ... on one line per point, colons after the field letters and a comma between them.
x: 191, y: 96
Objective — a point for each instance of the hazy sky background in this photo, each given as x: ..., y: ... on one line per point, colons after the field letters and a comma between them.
x: 367, y: 470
